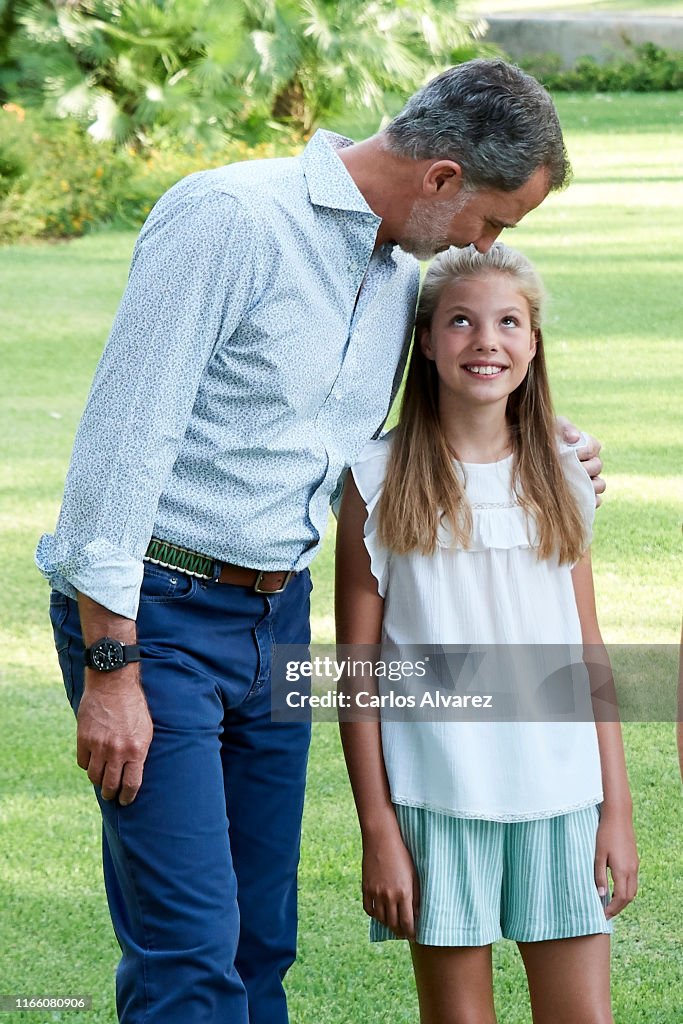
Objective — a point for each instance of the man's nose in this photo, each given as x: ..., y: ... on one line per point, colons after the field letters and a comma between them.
x: 485, y: 241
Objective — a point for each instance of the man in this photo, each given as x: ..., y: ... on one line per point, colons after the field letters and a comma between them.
x: 258, y: 345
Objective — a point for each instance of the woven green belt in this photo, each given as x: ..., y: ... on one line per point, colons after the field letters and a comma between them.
x: 170, y: 556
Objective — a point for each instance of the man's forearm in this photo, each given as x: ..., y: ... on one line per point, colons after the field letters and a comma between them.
x: 97, y: 621
x: 114, y: 725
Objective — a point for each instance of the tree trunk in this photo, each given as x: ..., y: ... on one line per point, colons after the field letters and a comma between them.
x: 290, y: 106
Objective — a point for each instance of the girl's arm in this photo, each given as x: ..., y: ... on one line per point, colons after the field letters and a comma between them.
x: 390, y: 887
x: 615, y: 845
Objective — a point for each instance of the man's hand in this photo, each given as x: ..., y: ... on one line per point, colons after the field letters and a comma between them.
x: 589, y: 454
x: 114, y: 732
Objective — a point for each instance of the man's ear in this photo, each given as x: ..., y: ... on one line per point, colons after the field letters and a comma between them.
x: 443, y: 179
x: 426, y: 343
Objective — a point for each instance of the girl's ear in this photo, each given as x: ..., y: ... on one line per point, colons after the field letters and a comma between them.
x: 426, y: 343
x: 534, y: 341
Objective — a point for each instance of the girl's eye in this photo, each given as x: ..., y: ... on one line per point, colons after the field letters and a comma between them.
x: 460, y: 320
x: 510, y: 321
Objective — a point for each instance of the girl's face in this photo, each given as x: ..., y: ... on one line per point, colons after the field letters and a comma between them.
x: 481, y: 339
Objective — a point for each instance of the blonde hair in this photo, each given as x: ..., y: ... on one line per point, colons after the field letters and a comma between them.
x: 422, y: 486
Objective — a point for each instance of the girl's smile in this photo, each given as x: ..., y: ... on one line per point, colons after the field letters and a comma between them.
x: 489, y: 370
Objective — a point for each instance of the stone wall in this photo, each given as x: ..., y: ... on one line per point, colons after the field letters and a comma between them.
x: 574, y: 36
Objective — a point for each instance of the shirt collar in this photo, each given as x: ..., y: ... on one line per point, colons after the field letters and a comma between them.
x: 329, y: 183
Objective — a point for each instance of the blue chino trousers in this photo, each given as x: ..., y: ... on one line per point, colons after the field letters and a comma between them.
x: 201, y: 869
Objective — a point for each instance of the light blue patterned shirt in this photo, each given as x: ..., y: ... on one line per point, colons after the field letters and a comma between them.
x: 240, y: 377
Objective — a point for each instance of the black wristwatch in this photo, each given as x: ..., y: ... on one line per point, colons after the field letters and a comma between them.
x: 106, y: 655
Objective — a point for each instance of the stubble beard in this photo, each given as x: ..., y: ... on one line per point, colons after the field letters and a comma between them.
x: 426, y: 229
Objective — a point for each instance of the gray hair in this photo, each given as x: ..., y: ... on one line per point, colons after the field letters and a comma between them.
x: 463, y: 264
x: 497, y: 122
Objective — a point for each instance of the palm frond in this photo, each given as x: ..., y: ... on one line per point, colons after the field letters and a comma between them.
x: 111, y: 124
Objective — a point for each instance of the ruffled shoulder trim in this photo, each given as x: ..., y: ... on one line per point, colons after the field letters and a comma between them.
x: 369, y: 472
x: 505, y: 524
x: 502, y: 526
x: 499, y: 524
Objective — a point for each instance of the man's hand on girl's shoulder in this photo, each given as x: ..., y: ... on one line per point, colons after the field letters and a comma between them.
x: 589, y: 454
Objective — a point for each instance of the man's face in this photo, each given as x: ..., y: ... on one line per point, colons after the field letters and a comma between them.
x: 469, y: 218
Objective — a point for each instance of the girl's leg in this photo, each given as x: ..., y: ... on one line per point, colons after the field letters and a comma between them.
x: 552, y: 910
x: 454, y: 984
x: 569, y: 980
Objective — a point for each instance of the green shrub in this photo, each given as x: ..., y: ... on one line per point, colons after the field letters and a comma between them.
x: 12, y: 165
x: 56, y: 182
x: 61, y: 183
x: 648, y: 68
x: 165, y: 162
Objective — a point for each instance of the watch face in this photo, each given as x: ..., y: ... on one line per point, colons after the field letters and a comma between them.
x: 107, y: 655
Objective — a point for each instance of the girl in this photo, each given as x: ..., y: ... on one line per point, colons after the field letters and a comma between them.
x: 468, y: 524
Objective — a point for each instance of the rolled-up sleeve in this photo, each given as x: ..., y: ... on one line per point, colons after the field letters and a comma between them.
x: 192, y: 279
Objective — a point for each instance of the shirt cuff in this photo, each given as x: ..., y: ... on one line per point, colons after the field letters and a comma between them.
x: 102, y: 572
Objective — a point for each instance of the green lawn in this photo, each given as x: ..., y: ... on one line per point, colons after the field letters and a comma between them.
x: 609, y: 249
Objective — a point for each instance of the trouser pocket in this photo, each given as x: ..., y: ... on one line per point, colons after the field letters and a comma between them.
x: 66, y: 628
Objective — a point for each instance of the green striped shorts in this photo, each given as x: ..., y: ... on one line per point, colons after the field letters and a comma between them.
x: 484, y: 880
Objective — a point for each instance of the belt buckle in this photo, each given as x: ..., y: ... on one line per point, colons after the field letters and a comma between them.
x: 257, y: 584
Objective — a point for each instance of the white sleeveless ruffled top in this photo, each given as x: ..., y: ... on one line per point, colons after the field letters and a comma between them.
x: 495, y: 592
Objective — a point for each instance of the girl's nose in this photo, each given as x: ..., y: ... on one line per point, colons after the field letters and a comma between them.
x: 486, y: 339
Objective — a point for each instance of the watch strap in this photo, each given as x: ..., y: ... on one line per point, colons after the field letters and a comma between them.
x: 129, y: 654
